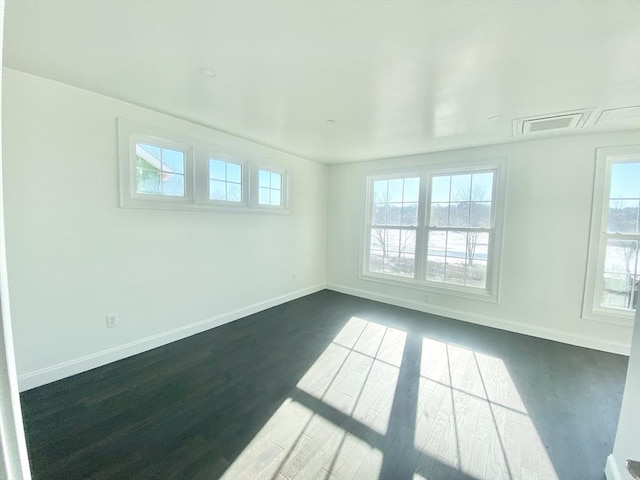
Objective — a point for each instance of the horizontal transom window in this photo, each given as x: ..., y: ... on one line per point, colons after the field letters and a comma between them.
x: 162, y: 170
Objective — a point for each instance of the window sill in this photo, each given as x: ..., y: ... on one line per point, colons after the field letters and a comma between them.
x: 610, y: 317
x: 460, y: 292
x: 185, y: 204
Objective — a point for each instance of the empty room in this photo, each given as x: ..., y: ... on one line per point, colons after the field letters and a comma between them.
x: 320, y: 240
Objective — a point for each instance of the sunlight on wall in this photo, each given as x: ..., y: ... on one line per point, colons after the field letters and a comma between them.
x: 337, y: 423
x: 471, y: 416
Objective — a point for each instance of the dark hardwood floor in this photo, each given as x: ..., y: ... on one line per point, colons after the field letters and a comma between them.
x: 333, y: 386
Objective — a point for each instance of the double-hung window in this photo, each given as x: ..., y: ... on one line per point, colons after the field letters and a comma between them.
x: 436, y: 229
x: 613, y: 273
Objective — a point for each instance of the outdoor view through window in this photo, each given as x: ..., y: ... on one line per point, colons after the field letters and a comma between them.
x: 621, y: 269
x: 159, y: 171
x: 452, y: 246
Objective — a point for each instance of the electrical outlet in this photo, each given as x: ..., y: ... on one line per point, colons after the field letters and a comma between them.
x: 112, y: 320
x: 425, y: 298
x: 293, y: 276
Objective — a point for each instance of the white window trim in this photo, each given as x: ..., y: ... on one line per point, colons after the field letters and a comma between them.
x: 494, y: 266
x: 591, y: 309
x: 197, y: 155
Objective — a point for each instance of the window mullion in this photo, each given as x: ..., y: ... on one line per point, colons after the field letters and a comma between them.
x: 421, y: 231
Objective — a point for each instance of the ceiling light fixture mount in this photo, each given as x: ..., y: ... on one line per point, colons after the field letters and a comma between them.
x: 331, y: 122
x: 207, y: 72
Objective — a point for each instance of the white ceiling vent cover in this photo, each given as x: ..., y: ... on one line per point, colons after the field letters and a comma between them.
x: 556, y: 122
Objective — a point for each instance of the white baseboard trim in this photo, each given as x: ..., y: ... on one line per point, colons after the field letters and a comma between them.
x: 489, y: 321
x: 611, y: 470
x: 94, y: 360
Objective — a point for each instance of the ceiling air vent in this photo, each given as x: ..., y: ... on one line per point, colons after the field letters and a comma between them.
x: 551, y: 123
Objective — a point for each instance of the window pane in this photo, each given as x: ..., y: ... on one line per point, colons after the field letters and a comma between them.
x: 234, y: 192
x: 621, y: 256
x: 457, y: 245
x: 410, y: 214
x: 621, y: 275
x: 234, y: 173
x: 625, y: 180
x: 480, y: 214
x: 151, y: 150
x: 407, y: 242
x: 477, y: 274
x: 217, y: 170
x: 440, y: 189
x: 379, y: 214
x: 378, y: 240
x: 380, y: 191
x: 477, y: 246
x: 437, y: 244
x: 393, y: 241
x: 482, y: 187
x: 460, y: 188
x: 459, y: 214
x: 264, y: 198
x: 217, y: 190
x: 392, y: 251
x: 395, y: 190
x: 435, y: 268
x: 455, y: 271
x: 263, y: 179
x: 439, y: 215
x: 623, y: 216
x: 173, y: 185
x: 617, y: 291
x: 172, y: 161
x: 276, y: 180
x: 394, y: 213
x: 148, y: 181
x: 411, y: 190
x: 275, y: 197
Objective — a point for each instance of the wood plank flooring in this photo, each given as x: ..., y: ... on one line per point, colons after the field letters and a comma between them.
x: 334, y: 387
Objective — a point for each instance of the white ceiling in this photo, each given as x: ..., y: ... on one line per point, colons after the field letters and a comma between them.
x: 397, y: 77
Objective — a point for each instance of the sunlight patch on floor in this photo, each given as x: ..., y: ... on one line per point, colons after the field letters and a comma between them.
x: 296, y: 443
x: 358, y: 372
x: 471, y: 416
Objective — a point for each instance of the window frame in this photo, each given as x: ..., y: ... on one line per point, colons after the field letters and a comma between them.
x: 489, y: 294
x: 591, y: 308
x: 196, y: 172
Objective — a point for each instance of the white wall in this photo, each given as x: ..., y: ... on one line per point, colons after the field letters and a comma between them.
x: 74, y: 255
x: 548, y: 210
x: 627, y: 444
